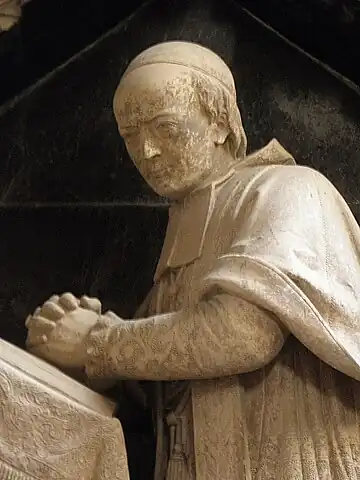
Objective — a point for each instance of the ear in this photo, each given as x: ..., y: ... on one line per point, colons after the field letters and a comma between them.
x: 220, y: 132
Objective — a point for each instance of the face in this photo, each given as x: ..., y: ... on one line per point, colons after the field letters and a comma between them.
x: 167, y: 135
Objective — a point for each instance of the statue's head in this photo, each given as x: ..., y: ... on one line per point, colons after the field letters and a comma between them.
x: 176, y: 110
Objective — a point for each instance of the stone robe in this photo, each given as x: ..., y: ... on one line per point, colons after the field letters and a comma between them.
x: 251, y: 329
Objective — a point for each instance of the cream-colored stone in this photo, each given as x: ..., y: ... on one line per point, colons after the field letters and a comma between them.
x: 250, y: 332
x: 52, y: 427
x: 10, y: 13
x: 61, y: 324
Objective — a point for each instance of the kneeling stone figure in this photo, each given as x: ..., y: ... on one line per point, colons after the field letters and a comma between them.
x: 250, y: 335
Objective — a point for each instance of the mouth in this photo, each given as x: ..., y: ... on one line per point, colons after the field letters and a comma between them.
x: 159, y: 174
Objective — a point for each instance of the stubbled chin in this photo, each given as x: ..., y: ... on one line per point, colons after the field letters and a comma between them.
x: 170, y: 188
x: 166, y: 190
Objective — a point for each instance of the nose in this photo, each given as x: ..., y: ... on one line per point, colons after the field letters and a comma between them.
x: 150, y: 148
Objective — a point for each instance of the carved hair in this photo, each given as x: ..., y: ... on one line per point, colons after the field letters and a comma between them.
x: 220, y: 105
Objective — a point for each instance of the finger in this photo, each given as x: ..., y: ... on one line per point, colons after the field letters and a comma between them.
x: 27, y: 321
x: 34, y: 341
x: 54, y: 298
x: 51, y: 311
x: 90, y: 303
x: 40, y: 323
x: 29, y: 318
x: 69, y: 301
x: 39, y: 331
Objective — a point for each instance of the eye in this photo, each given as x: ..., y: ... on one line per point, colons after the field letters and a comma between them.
x: 130, y: 136
x: 167, y: 128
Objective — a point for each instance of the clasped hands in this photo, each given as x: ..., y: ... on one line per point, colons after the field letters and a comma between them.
x: 58, y: 329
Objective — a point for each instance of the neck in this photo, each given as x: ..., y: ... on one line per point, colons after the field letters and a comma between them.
x: 223, y: 162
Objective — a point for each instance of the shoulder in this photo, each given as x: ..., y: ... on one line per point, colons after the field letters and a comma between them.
x: 291, y: 180
x: 294, y: 173
x: 284, y: 192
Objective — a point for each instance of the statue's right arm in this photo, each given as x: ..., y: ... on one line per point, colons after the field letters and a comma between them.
x: 222, y: 335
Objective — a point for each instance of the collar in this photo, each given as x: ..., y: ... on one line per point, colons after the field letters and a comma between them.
x: 189, y: 220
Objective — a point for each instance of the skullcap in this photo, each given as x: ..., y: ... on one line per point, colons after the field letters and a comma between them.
x: 186, y: 54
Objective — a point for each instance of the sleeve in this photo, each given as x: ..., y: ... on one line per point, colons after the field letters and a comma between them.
x: 223, y: 335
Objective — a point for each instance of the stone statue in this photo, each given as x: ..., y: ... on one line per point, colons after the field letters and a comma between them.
x: 250, y: 335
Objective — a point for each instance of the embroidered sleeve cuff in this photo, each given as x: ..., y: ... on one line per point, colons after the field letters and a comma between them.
x: 98, y: 360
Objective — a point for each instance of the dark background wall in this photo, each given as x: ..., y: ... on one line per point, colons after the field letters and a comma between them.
x: 328, y: 29
x: 74, y: 213
x: 51, y: 32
